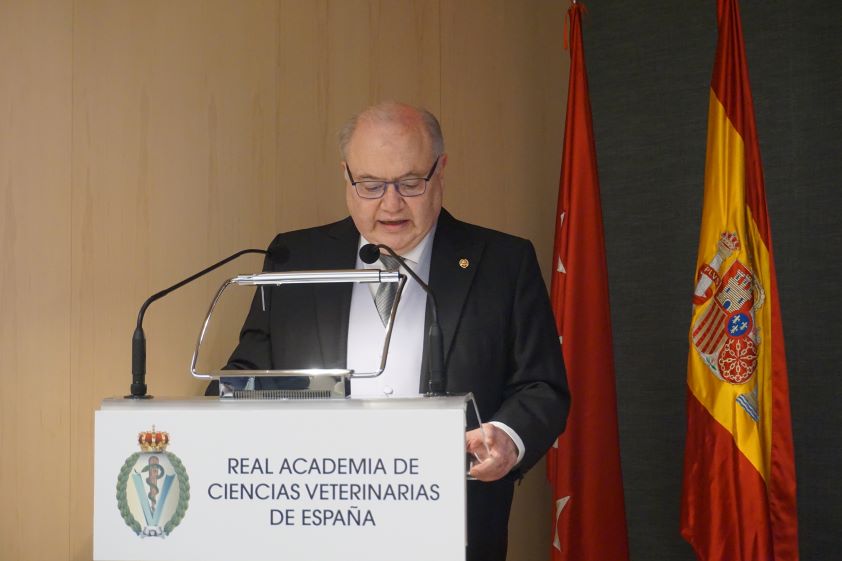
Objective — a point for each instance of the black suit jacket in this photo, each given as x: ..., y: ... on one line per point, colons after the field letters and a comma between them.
x: 500, y: 340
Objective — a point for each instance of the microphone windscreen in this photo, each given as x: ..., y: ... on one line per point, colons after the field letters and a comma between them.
x: 369, y: 253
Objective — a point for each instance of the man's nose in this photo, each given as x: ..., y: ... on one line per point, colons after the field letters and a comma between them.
x: 392, y: 200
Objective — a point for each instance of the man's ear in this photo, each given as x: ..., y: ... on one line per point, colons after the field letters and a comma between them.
x: 440, y: 168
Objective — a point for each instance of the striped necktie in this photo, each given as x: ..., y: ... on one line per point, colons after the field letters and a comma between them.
x: 385, y: 295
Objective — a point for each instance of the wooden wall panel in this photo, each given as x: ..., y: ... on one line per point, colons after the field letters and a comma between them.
x: 141, y: 141
x: 504, y: 91
x: 174, y: 168
x: 335, y: 58
x: 35, y: 155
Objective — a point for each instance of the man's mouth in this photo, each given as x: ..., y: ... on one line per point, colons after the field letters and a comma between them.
x: 393, y: 223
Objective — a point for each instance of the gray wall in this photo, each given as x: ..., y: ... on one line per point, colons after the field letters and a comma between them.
x: 649, y: 66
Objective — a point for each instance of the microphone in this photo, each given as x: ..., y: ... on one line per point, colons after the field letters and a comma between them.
x: 370, y: 253
x: 138, y: 388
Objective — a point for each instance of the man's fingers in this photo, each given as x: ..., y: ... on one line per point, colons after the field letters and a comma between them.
x: 472, y: 437
x: 488, y: 470
x: 475, y: 444
x: 495, y: 450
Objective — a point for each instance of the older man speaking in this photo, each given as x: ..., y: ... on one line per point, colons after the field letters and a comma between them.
x: 499, y: 336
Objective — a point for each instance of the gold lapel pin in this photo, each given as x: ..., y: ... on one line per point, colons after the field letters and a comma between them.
x: 464, y: 263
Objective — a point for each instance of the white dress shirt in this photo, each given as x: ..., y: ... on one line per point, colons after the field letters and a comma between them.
x: 402, y: 376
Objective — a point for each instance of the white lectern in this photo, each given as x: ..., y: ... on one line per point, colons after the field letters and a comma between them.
x: 297, y: 472
x: 207, y: 479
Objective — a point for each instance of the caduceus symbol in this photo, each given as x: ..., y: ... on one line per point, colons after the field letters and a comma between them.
x: 156, y: 472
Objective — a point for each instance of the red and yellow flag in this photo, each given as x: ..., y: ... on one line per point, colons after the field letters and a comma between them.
x: 584, y: 465
x: 739, y: 472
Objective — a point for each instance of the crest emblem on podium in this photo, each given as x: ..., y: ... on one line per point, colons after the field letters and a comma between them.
x: 153, y: 489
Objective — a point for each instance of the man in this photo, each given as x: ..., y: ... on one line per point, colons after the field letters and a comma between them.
x: 499, y: 335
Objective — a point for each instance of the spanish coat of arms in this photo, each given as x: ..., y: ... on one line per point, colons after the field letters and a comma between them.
x: 725, y: 333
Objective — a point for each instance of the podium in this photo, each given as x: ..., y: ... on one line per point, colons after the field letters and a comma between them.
x: 206, y: 479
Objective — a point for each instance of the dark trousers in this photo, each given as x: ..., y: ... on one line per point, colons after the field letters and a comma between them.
x: 488, y: 519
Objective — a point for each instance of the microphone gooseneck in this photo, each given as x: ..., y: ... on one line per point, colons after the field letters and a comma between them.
x: 138, y: 387
x: 437, y: 382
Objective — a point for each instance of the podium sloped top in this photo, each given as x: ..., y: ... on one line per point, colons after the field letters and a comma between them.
x: 213, y: 403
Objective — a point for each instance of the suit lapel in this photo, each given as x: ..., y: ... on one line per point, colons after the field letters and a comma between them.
x: 453, y: 247
x: 333, y: 304
x: 455, y: 259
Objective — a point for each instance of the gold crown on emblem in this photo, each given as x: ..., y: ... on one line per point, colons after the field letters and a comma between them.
x: 153, y: 441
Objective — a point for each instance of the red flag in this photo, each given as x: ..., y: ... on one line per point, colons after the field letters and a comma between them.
x: 738, y: 499
x: 584, y: 465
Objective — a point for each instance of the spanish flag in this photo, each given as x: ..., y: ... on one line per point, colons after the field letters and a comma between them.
x: 738, y: 498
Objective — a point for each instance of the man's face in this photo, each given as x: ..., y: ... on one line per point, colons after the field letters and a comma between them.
x: 392, y: 151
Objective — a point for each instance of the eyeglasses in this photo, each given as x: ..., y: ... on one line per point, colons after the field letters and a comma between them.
x: 406, y: 187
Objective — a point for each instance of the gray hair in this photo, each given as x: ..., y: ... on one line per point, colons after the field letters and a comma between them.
x: 389, y: 111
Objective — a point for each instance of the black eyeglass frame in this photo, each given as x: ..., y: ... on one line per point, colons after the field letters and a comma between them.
x: 396, y: 184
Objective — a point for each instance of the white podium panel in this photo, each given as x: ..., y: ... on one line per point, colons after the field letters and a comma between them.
x: 257, y: 480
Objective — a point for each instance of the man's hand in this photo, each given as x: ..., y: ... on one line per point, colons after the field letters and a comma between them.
x: 495, y: 461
